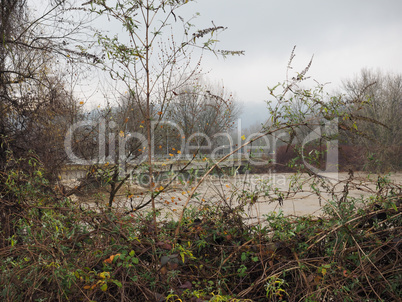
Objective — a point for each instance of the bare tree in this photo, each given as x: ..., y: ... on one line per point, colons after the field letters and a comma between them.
x: 203, y: 109
x: 35, y: 103
x: 378, y: 97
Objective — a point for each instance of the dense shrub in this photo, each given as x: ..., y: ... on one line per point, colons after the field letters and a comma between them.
x: 60, y: 252
x: 288, y: 159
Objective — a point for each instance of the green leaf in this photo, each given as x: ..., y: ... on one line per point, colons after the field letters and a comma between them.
x: 132, y: 253
x: 135, y: 278
x: 243, y: 257
x: 104, y: 287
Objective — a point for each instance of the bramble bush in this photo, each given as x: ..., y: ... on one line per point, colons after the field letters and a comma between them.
x: 55, y: 250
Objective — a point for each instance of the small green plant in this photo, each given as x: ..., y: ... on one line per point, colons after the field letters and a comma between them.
x: 242, y: 270
x: 274, y: 288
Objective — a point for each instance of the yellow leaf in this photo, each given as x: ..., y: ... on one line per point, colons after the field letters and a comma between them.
x: 81, y: 103
x: 173, y: 149
x: 121, y: 133
x: 243, y: 137
x: 105, y: 275
x: 87, y: 287
x: 324, y: 271
x: 170, y: 154
x: 161, y: 188
x: 178, y: 152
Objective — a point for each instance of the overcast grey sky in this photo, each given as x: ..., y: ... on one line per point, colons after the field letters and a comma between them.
x: 344, y: 36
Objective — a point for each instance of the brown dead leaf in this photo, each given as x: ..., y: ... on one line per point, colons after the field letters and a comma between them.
x: 164, y: 245
x: 186, y: 285
x: 164, y: 270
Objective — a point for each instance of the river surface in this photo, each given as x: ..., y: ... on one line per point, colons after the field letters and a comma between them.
x: 261, y: 193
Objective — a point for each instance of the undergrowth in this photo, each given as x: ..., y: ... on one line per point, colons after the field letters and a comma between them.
x: 53, y: 250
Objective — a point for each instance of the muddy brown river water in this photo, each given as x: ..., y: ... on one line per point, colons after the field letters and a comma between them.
x: 261, y: 192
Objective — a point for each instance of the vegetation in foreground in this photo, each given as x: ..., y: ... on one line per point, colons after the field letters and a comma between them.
x: 52, y: 250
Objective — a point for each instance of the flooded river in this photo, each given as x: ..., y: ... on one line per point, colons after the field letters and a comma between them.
x: 261, y: 193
